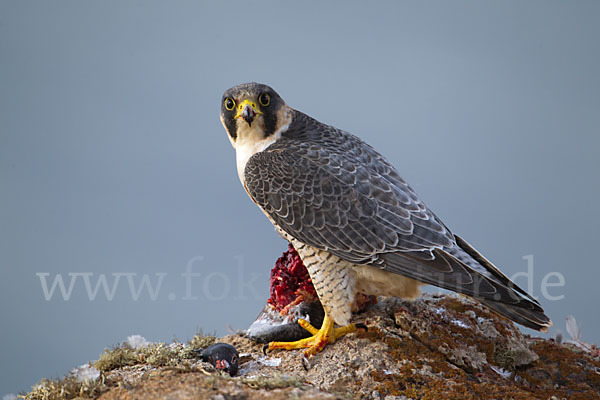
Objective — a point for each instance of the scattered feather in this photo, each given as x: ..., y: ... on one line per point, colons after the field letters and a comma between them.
x: 176, y: 346
x: 501, y: 371
x: 460, y: 323
x: 575, y: 331
x: 84, y: 373
x: 137, y: 342
x: 572, y: 328
x: 270, y: 362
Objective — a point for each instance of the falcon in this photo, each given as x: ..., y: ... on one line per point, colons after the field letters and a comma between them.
x: 359, y: 228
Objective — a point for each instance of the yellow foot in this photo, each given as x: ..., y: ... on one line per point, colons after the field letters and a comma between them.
x: 319, y: 339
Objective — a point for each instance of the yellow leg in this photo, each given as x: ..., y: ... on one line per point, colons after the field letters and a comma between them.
x: 319, y: 339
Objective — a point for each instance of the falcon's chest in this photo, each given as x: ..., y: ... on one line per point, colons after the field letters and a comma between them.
x: 246, y: 149
x: 252, y: 140
x: 249, y: 143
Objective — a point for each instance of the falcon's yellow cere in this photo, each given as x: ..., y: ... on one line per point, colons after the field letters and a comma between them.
x: 356, y: 224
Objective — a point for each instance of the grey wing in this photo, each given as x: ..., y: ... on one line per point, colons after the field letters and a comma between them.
x: 340, y: 195
x: 350, y: 204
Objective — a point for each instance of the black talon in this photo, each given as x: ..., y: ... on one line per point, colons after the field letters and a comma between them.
x: 362, y: 326
x: 305, y: 363
x: 265, y: 348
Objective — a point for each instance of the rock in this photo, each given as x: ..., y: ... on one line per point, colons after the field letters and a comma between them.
x: 434, y: 347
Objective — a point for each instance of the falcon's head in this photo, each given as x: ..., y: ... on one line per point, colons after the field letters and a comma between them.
x: 253, y: 113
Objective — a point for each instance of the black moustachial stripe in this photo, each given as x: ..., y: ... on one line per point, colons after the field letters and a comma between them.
x: 231, y: 127
x: 270, y: 119
x: 270, y: 115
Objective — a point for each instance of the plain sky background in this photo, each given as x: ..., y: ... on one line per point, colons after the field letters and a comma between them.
x: 113, y: 158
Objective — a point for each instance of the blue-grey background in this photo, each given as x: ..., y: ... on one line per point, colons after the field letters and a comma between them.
x: 113, y: 159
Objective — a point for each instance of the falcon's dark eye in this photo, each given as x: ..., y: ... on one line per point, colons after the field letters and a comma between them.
x: 264, y: 99
x: 229, y: 104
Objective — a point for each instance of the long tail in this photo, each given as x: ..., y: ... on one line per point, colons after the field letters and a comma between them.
x: 522, y: 312
x: 464, y: 270
x: 533, y: 319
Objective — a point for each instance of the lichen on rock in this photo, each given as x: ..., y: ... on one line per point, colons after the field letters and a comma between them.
x: 412, y: 349
x: 435, y: 347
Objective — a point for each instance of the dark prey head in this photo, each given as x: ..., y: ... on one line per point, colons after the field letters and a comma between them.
x: 223, y: 357
x: 251, y: 112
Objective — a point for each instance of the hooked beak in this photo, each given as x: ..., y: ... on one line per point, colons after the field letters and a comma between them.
x: 247, y: 110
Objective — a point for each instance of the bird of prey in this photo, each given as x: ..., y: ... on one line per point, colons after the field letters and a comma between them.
x: 357, y: 225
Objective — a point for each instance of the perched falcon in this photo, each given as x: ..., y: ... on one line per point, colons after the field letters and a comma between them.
x: 356, y: 224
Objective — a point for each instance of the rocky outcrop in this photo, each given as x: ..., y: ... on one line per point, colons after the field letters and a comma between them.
x: 437, y: 347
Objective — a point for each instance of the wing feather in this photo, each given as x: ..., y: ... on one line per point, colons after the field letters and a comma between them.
x: 330, y: 190
x: 343, y: 184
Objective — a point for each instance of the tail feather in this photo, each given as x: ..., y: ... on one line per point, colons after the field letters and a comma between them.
x: 527, y: 312
x: 464, y: 270
x: 490, y: 268
x: 533, y: 319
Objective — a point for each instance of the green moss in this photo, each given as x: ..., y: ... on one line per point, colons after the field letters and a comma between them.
x: 116, y: 358
x: 157, y: 355
x: 201, y: 341
x: 160, y: 355
x: 66, y: 389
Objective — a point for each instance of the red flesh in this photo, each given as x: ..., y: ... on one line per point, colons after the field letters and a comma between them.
x: 290, y: 280
x: 290, y: 285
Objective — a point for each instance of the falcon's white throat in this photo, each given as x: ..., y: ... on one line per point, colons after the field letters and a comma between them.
x: 251, y: 140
